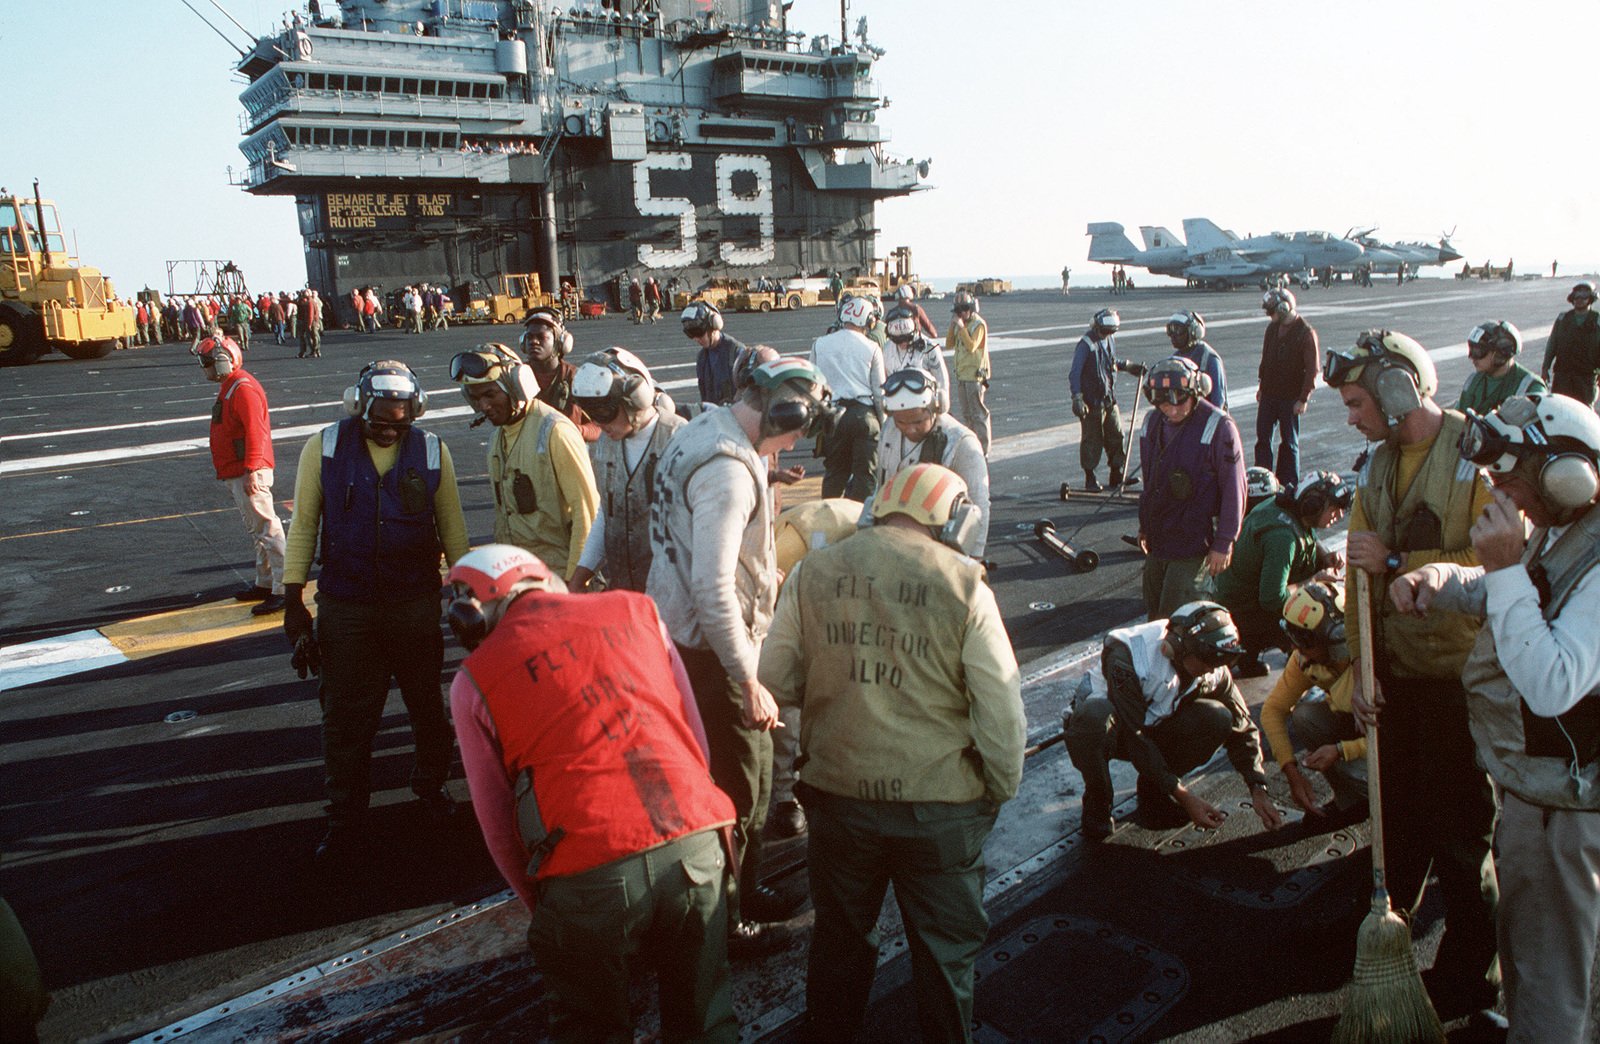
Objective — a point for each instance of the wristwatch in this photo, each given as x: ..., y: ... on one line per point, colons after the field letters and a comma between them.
x: 1394, y: 561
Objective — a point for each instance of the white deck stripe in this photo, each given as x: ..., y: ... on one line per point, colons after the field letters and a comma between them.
x: 57, y: 657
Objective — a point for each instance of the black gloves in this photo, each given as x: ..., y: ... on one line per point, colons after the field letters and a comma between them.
x: 297, y: 626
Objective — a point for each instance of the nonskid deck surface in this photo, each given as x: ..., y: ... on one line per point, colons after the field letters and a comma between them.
x: 160, y: 782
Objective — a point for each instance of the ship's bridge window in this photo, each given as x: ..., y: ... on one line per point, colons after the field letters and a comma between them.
x: 428, y: 88
x: 341, y: 137
x: 408, y: 86
x: 391, y: 85
x: 413, y: 139
x: 316, y: 81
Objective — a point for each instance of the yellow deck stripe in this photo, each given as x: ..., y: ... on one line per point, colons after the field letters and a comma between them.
x: 184, y: 628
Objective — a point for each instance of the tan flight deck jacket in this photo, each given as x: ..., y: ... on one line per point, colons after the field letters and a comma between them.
x: 894, y: 648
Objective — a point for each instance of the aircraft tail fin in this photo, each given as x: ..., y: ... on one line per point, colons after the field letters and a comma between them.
x: 1205, y: 236
x: 1108, y: 242
x: 1157, y: 237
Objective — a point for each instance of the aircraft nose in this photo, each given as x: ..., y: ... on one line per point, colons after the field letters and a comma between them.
x: 1349, y: 250
x: 1447, y: 255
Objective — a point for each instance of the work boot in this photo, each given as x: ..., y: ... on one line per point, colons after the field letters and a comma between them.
x: 789, y: 819
x: 1090, y: 483
x: 273, y: 603
x: 253, y: 594
x: 341, y: 844
x: 1118, y: 480
x: 748, y: 939
x: 438, y: 808
x: 766, y: 906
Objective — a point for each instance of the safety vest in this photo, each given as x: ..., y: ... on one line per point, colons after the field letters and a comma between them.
x: 627, y: 502
x: 592, y: 730
x: 379, y: 538
x: 708, y: 436
x: 1435, y: 646
x: 1541, y: 760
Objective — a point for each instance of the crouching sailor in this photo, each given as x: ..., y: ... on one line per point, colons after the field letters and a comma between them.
x: 1166, y: 701
x: 587, y: 763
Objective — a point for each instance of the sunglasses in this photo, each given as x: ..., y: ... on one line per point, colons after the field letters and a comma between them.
x: 473, y: 367
x: 398, y: 427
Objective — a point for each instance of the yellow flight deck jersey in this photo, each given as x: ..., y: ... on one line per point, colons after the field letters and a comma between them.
x: 970, y: 342
x: 303, y: 531
x: 1296, y: 680
x: 1437, y: 646
x: 544, y: 493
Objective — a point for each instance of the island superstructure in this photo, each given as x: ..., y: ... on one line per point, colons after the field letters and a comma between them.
x: 456, y: 140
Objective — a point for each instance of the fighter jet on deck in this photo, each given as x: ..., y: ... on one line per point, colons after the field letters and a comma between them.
x: 1218, y: 258
x: 1387, y: 257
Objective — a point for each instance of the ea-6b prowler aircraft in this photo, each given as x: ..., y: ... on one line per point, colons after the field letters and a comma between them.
x: 1387, y: 257
x: 1219, y: 258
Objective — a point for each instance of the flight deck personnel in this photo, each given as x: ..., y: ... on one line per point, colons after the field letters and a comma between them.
x: 1193, y: 500
x: 1287, y: 375
x: 905, y: 297
x: 1094, y: 398
x: 378, y: 497
x: 852, y: 366
x: 1314, y: 622
x: 713, y: 365
x: 1572, y: 354
x: 1415, y: 502
x: 546, y: 343
x: 615, y: 388
x: 599, y: 811
x: 1187, y: 332
x: 1533, y: 697
x: 968, y: 338
x: 1165, y: 700
x: 1276, y: 551
x: 713, y: 574
x: 904, y: 347
x: 921, y: 433
x: 1496, y: 375
x: 913, y: 727
x: 544, y: 494
x: 241, y: 453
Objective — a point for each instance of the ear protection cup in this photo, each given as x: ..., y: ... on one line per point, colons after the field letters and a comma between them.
x: 1396, y: 391
x: 1202, y: 381
x: 467, y: 621
x: 1568, y: 481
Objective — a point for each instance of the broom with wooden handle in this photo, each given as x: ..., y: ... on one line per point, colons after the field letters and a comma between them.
x: 1386, y: 1001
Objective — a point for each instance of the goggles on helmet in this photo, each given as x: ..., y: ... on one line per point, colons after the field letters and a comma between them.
x: 1173, y: 394
x: 476, y: 367
x: 1489, y: 441
x: 1340, y: 365
x: 601, y: 411
x: 911, y: 379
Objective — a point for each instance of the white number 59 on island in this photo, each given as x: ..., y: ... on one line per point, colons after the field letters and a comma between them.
x: 756, y: 204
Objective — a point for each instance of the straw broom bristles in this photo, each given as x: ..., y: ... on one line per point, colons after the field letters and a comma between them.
x: 1386, y: 1000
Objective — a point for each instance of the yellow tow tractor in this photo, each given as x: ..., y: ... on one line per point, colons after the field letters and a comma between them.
x: 895, y: 271
x: 47, y: 300
x: 519, y: 294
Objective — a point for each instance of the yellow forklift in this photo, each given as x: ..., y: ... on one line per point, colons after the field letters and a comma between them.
x: 47, y: 300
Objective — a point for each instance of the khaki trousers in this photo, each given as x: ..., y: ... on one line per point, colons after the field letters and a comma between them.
x: 265, y: 528
x: 1549, y: 914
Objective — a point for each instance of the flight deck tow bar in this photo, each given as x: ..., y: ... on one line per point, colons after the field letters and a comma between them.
x: 1083, y: 561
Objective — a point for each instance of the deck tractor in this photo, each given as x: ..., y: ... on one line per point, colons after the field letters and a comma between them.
x: 47, y: 300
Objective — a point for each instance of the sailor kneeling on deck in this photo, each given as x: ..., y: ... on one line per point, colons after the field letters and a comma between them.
x: 1165, y: 700
x: 912, y: 735
x: 589, y: 771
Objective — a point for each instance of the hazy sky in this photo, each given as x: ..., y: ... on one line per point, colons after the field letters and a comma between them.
x: 1039, y: 117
